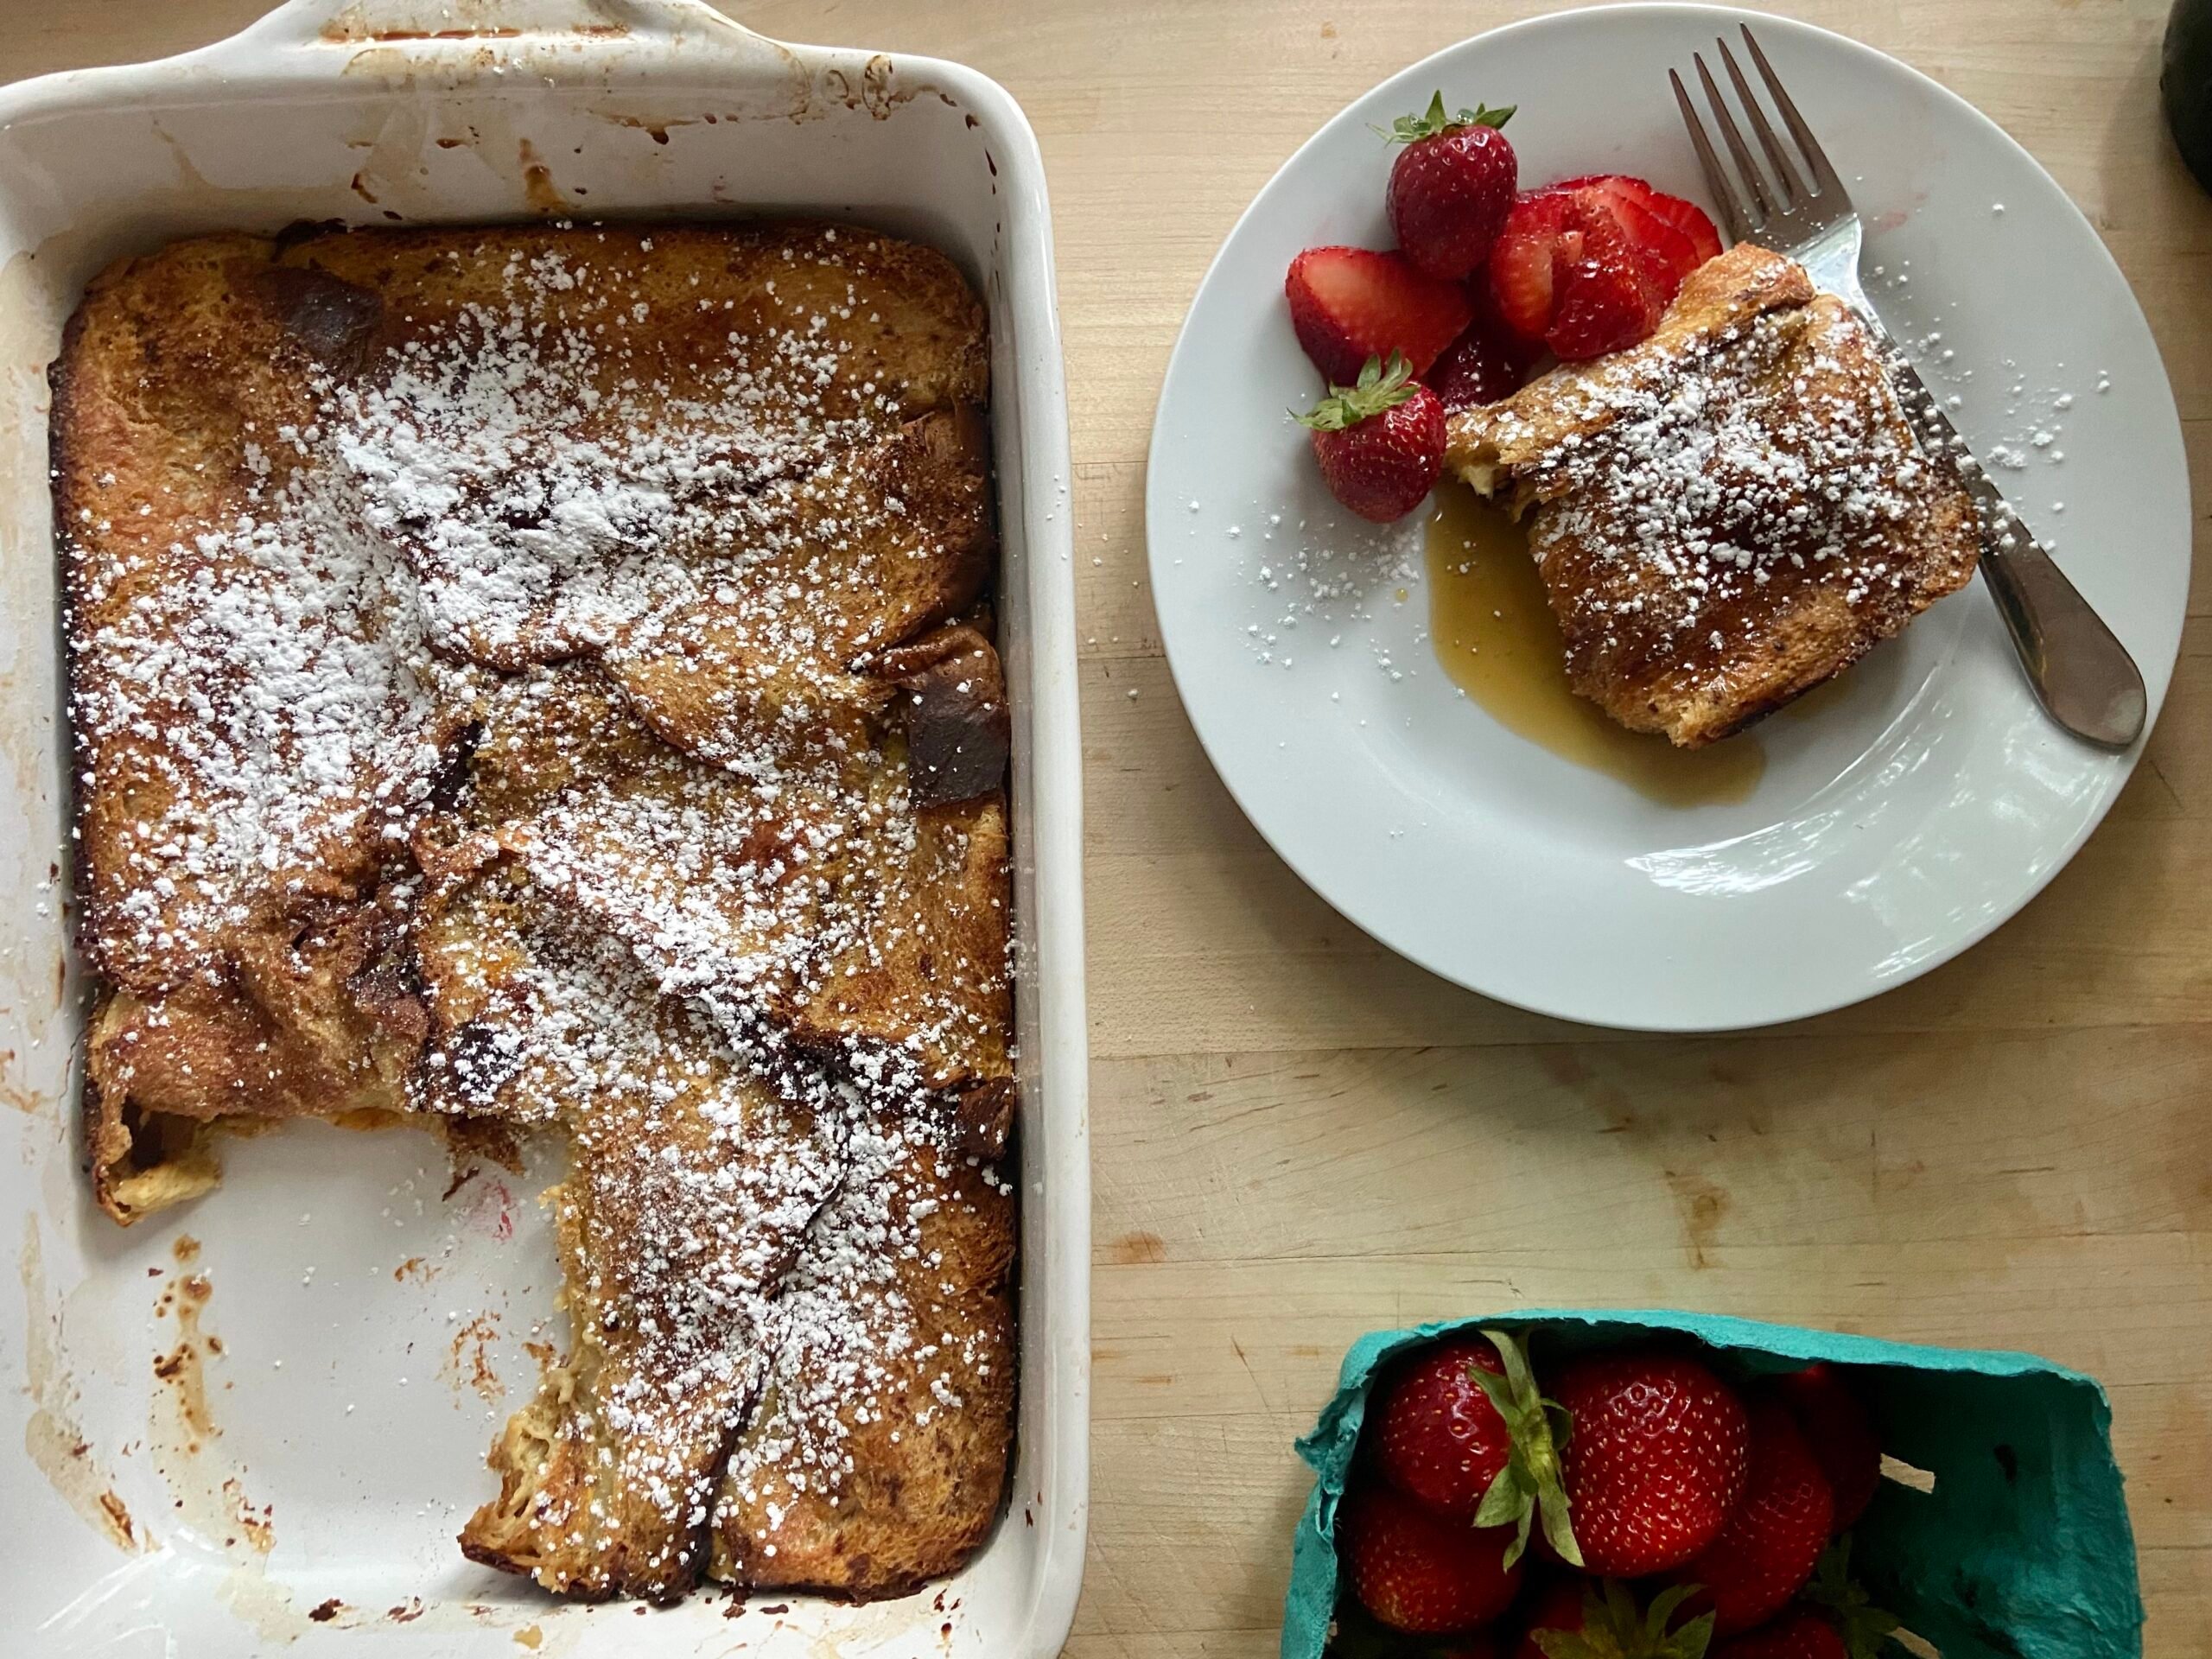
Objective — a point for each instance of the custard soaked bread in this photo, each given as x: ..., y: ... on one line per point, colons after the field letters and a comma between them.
x: 538, y: 675
x: 1728, y: 513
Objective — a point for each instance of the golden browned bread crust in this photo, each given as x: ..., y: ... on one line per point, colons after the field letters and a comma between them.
x: 872, y: 1465
x: 922, y: 969
x: 517, y: 674
x: 1732, y: 511
x: 693, y: 1178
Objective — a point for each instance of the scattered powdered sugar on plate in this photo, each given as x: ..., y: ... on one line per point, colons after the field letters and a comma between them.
x: 1321, y: 578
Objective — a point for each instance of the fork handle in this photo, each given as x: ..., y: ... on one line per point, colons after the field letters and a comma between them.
x: 2081, y: 673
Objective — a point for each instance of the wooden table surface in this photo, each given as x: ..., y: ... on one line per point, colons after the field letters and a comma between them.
x: 1299, y: 1137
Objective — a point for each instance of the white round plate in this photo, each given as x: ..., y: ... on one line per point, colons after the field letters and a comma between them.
x: 1893, y: 827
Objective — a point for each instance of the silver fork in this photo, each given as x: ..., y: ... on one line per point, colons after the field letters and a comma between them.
x: 2082, y: 676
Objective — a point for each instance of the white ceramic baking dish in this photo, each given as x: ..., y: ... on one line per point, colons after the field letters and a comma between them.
x: 283, y: 1486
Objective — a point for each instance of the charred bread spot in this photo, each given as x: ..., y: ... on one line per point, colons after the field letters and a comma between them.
x: 304, y: 230
x: 986, y: 1116
x: 480, y: 1063
x: 958, y: 731
x: 333, y: 321
x: 389, y: 993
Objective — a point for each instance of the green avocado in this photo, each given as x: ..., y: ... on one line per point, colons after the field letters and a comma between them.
x: 2185, y: 84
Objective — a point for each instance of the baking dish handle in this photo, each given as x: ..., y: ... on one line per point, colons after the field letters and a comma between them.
x: 357, y: 22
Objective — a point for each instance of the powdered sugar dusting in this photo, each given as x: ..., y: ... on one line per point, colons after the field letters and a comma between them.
x: 552, y: 639
x: 1731, y: 512
x: 1709, y: 491
x: 280, y: 696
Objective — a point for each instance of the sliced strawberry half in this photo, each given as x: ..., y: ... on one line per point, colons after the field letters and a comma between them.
x: 1564, y: 271
x: 1668, y: 255
x: 1351, y: 304
x: 1522, y: 263
x: 1690, y: 219
x: 1673, y: 236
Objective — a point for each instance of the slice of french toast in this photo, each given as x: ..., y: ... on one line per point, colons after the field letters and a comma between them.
x: 1728, y: 513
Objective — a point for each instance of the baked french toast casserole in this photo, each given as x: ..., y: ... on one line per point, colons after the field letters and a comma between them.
x: 544, y: 675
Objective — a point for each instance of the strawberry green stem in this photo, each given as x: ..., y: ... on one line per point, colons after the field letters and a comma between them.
x: 1531, y: 1487
x: 1864, y: 1627
x: 1614, y: 1627
x: 1412, y: 128
x: 1378, y: 388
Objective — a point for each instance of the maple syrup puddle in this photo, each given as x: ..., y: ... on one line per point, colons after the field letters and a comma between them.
x: 1496, y: 638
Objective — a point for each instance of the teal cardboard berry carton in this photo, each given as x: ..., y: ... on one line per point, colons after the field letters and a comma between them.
x: 2009, y: 1540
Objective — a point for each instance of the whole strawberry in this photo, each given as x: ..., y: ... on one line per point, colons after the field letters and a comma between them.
x: 1463, y: 1430
x: 1451, y: 188
x: 1799, y: 1633
x: 1656, y: 1455
x: 1437, y: 1437
x: 1840, y: 1434
x: 1380, y: 441
x: 1418, y: 1572
x: 1577, y: 1619
x: 1774, y: 1537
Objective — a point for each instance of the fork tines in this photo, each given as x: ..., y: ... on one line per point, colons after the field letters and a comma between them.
x: 1781, y: 192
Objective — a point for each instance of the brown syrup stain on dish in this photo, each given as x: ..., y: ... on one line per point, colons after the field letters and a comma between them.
x: 183, y: 1368
x: 207, y: 1490
x: 29, y: 1101
x: 1495, y: 635
x: 252, y: 1521
x: 537, y: 187
x: 873, y: 93
x: 120, y: 1526
x: 468, y: 1359
x: 53, y: 1440
x: 657, y: 127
